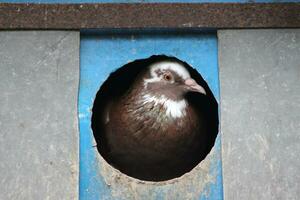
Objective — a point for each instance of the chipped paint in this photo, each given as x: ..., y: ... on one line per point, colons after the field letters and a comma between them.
x: 104, y: 53
x: 187, y: 186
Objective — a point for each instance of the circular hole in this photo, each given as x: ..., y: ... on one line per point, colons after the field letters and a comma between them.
x: 155, y: 119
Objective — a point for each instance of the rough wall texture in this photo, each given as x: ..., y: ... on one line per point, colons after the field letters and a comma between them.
x: 182, y: 15
x: 260, y: 101
x: 38, y: 115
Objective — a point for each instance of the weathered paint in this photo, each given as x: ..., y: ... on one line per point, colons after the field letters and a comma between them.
x: 260, y: 97
x: 147, y: 1
x: 39, y: 152
x: 100, y: 55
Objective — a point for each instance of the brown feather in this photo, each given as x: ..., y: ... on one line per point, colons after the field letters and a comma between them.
x: 146, y: 143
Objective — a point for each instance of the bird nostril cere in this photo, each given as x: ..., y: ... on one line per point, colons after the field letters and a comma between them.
x: 152, y: 129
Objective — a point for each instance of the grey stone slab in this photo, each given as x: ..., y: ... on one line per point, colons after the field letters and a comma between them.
x: 260, y: 113
x: 39, y: 74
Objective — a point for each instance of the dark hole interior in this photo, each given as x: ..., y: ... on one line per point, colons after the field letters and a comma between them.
x: 141, y: 152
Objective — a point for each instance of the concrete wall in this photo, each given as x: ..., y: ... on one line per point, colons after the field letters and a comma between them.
x: 260, y: 116
x: 39, y: 74
x: 260, y: 101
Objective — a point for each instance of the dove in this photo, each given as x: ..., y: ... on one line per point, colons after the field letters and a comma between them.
x: 155, y: 119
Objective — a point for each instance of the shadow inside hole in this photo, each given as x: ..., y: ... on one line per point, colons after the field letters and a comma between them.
x: 133, y: 156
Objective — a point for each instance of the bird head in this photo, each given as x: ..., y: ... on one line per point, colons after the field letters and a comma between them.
x: 170, y: 79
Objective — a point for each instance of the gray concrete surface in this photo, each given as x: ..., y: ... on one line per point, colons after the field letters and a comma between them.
x: 39, y: 73
x: 260, y: 116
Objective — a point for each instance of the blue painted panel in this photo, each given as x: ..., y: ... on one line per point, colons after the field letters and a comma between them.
x: 146, y: 1
x: 102, y: 54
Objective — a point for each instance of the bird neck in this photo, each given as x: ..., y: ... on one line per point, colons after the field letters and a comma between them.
x: 172, y: 108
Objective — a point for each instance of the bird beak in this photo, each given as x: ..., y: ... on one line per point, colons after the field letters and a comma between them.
x: 192, y: 85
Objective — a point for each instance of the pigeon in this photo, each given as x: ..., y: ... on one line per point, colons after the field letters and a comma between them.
x: 155, y: 119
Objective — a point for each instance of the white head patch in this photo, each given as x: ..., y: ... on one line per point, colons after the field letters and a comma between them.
x: 167, y: 65
x: 174, y: 109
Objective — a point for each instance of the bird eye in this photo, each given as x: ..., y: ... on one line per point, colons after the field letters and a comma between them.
x: 167, y: 77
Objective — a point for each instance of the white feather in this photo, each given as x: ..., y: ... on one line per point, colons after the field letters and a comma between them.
x: 174, y: 66
x: 167, y: 65
x: 174, y: 109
